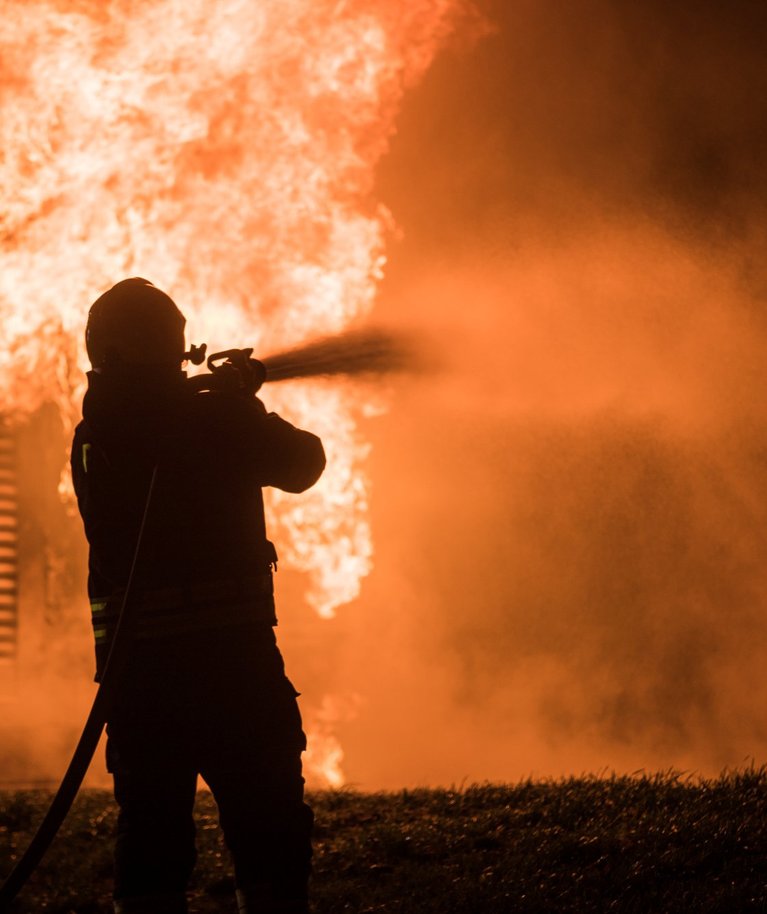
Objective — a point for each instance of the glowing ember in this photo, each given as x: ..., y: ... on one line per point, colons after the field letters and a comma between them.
x: 226, y: 152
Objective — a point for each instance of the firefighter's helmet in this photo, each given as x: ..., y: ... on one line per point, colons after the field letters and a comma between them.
x: 135, y: 324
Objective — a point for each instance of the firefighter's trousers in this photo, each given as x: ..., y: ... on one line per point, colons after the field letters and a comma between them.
x: 219, y: 706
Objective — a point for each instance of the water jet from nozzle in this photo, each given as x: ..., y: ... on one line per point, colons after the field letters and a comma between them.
x: 356, y: 352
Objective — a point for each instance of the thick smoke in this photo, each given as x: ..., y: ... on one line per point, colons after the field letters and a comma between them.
x: 570, y: 519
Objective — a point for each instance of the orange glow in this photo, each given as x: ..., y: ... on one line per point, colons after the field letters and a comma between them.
x: 226, y: 152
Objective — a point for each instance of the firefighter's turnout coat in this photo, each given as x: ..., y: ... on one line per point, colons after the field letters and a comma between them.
x: 204, y: 690
x: 205, y: 543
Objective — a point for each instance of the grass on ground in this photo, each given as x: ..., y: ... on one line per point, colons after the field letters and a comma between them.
x: 615, y: 845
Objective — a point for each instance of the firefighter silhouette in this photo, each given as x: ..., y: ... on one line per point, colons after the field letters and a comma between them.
x: 204, y: 689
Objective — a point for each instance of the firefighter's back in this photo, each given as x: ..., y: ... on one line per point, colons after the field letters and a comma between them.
x: 204, y: 690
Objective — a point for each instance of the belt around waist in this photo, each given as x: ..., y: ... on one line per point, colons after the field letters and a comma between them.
x: 191, y: 607
x: 195, y: 592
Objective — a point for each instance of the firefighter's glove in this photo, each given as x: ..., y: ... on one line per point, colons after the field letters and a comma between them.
x: 257, y: 375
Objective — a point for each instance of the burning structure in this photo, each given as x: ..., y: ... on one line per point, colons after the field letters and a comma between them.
x: 226, y: 153
x: 9, y: 538
x: 583, y: 202
x: 45, y: 659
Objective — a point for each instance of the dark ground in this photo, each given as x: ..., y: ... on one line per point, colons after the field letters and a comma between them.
x: 662, y: 843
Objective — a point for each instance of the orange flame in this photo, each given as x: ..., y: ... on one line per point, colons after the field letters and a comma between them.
x: 225, y: 151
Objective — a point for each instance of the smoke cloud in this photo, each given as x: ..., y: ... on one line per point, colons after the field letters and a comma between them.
x: 569, y: 519
x: 569, y: 515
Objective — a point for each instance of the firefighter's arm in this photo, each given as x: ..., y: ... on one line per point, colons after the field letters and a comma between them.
x: 291, y: 458
x: 296, y: 457
x: 80, y: 457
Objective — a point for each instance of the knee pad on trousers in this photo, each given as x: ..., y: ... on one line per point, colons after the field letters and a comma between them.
x: 167, y: 903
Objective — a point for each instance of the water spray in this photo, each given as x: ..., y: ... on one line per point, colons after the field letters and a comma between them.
x: 357, y: 352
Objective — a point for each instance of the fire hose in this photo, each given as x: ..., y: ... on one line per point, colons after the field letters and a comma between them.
x: 89, y: 738
x: 355, y: 353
